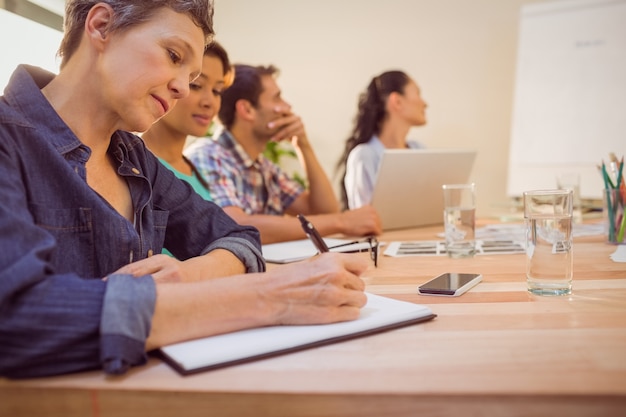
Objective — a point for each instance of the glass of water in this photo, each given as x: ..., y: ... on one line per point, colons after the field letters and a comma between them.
x: 549, y: 242
x: 459, y: 218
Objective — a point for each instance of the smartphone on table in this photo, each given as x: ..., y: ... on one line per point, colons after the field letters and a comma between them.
x: 450, y: 284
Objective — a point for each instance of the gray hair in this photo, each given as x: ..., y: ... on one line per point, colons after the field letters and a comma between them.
x: 129, y: 13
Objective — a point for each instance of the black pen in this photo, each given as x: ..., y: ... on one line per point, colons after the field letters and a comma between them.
x: 313, y: 234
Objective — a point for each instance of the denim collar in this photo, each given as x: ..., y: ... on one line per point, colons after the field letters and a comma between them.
x: 24, y: 92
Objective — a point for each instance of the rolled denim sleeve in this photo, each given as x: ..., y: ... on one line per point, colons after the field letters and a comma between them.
x: 127, y: 312
x: 196, y: 226
x: 248, y: 253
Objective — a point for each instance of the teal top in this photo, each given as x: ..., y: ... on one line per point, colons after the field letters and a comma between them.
x: 192, y: 179
x: 195, y: 183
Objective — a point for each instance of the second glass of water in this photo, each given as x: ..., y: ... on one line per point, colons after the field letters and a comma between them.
x: 459, y: 220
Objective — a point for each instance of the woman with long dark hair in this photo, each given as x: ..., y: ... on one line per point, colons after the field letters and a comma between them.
x: 390, y: 106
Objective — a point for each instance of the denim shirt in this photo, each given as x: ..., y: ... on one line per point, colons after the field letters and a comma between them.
x: 59, y: 239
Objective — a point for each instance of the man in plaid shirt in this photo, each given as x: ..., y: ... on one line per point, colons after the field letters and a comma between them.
x: 252, y: 189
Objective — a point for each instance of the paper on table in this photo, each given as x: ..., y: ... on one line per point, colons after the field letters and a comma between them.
x: 379, y: 314
x: 297, y: 250
x: 437, y: 247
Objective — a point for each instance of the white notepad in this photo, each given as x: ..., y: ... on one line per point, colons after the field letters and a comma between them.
x: 298, y: 250
x: 378, y: 315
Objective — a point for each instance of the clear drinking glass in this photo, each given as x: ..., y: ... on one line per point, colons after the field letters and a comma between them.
x: 549, y: 242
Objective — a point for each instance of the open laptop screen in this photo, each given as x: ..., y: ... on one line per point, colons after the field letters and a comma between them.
x: 408, y: 186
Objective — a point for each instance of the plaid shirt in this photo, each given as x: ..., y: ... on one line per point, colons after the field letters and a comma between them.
x: 256, y: 186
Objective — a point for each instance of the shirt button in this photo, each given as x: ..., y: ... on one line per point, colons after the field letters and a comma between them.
x: 150, y: 253
x: 135, y: 171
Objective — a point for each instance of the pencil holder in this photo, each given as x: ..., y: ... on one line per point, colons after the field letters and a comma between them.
x: 613, y: 213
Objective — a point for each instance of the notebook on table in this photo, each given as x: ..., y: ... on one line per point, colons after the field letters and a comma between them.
x: 378, y: 315
x: 408, y: 192
x: 298, y: 250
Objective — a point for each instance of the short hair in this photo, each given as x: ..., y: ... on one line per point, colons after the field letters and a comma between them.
x: 216, y: 50
x: 129, y: 13
x: 246, y: 86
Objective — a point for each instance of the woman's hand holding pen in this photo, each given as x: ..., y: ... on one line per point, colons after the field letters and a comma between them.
x: 323, y: 289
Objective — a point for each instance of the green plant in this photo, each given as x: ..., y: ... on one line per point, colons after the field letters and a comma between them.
x: 275, y: 151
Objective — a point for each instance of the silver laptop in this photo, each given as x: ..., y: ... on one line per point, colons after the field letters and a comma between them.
x: 408, y: 187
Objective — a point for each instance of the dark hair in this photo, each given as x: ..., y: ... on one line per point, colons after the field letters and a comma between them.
x: 246, y: 86
x: 370, y: 116
x: 129, y: 13
x: 216, y: 50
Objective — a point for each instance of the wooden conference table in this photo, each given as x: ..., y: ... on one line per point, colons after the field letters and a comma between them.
x: 496, y: 350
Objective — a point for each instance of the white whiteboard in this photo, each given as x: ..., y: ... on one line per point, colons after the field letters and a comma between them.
x: 569, y: 110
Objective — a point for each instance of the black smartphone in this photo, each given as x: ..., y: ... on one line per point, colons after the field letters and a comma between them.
x: 450, y: 284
